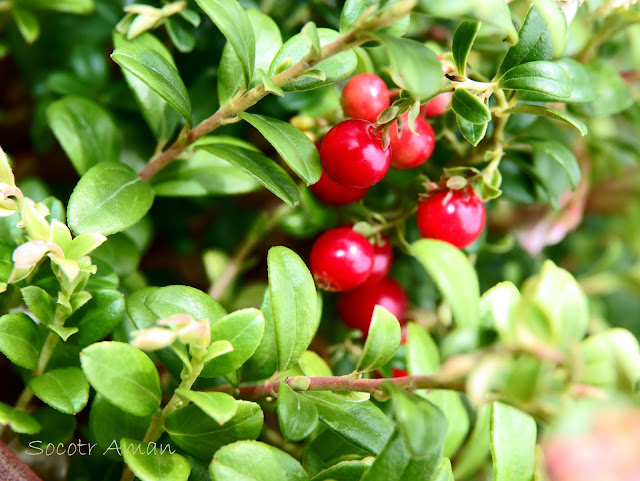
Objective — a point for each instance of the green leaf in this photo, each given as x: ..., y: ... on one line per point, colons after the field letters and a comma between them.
x: 243, y: 329
x: 422, y: 352
x: 57, y: 428
x: 334, y: 68
x: 382, y: 341
x: 474, y: 453
x: 415, y: 68
x: 98, y: 317
x: 181, y: 35
x: 66, y: 389
x: 552, y: 114
x: 561, y: 154
x: 512, y: 461
x: 159, y: 115
x: 496, y: 305
x: 297, y: 415
x: 582, y: 90
x: 345, y: 471
x: 470, y: 107
x: 264, y: 361
x: 354, y: 10
x: 268, y: 38
x: 109, y: 198
x: 361, y: 423
x: 297, y: 150
x: 157, y: 72
x: 294, y: 305
x: 395, y: 463
x: 85, y: 131
x: 233, y: 22
x: 109, y: 424
x: 67, y: 6
x: 552, y: 180
x: 455, y: 412
x: 474, y: 133
x: 124, y: 375
x: 18, y: 420
x: 218, y: 405
x: 463, y: 39
x: 542, y: 35
x: 39, y: 303
x: 454, y: 276
x: 263, y: 169
x: 201, y: 436
x: 255, y: 461
x: 170, y: 300
x: 149, y: 462
x: 27, y: 23
x: 269, y: 84
x: 19, y: 340
x: 542, y: 77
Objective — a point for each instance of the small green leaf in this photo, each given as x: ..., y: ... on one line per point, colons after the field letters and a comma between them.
x: 39, y: 303
x: 85, y: 131
x: 422, y: 352
x: 263, y: 169
x: 297, y: 415
x: 181, y: 35
x: 476, y: 450
x: 19, y: 340
x: 109, y: 198
x: 311, y: 32
x: 355, y: 10
x: 294, y: 304
x: 150, y: 462
x: 474, y: 133
x: 470, y: 107
x: 124, y: 375
x: 218, y: 405
x: 463, y: 39
x: 395, y: 463
x: 270, y: 85
x: 611, y: 93
x: 512, y: 461
x: 445, y: 472
x: 233, y: 22
x: 64, y: 332
x: 345, y: 471
x: 297, y: 150
x: 582, y: 90
x: 18, y: 420
x: 157, y: 72
x: 454, y: 276
x: 453, y: 407
x: 84, y: 244
x: 382, y: 341
x: 98, y: 317
x: 255, y: 461
x: 66, y: 389
x: 542, y: 77
x: 57, y: 428
x: 170, y: 300
x: 264, y: 361
x: 27, y: 23
x: 561, y: 154
x: 496, y: 305
x: 552, y: 114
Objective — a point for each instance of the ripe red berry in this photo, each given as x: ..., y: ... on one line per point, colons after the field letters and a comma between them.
x: 411, y: 150
x: 395, y: 372
x: 383, y: 258
x: 330, y: 193
x: 437, y: 105
x: 352, y: 155
x: 341, y: 259
x: 454, y: 216
x: 365, y: 96
x: 356, y: 307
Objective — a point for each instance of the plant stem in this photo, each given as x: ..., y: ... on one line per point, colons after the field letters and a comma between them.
x: 228, y: 113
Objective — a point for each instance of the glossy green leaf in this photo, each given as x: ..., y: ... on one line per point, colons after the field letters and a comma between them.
x: 201, y: 436
x: 218, y: 405
x: 470, y: 107
x: 462, y: 42
x: 181, y: 34
x: 157, y: 72
x: 264, y: 361
x: 109, y: 198
x: 27, y: 23
x: 233, y: 22
x: 496, y: 305
x: 170, y: 300
x: 297, y: 150
x: 66, y: 389
x: 382, y: 341
x: 124, y: 375
x: 395, y: 463
x: 512, y: 461
x: 474, y: 133
x: 255, y: 461
x: 361, y: 423
x: 455, y: 412
x: 85, y: 131
x: 18, y: 420
x: 19, y: 339
x: 39, y: 302
x: 476, y: 450
x: 345, y: 471
x: 150, y: 462
x: 353, y: 11
x: 243, y: 329
x: 294, y: 305
x: 550, y: 113
x: 561, y: 154
x: 334, y: 68
x: 454, y: 276
x: 542, y: 77
x: 98, y: 317
x: 297, y: 415
x: 263, y: 169
x: 611, y: 92
x: 582, y: 90
x: 422, y: 351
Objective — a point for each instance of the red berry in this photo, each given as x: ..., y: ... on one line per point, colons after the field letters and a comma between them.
x: 395, y: 372
x: 454, y: 216
x: 365, y: 96
x: 330, y: 193
x: 341, y: 259
x: 437, y: 105
x: 383, y: 258
x: 356, y: 307
x: 352, y: 155
x: 411, y: 150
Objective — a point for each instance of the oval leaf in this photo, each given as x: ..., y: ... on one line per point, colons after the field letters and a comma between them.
x: 470, y: 107
x: 474, y: 133
x: 463, y: 39
x: 218, y: 405
x: 550, y: 113
x: 297, y: 415
x: 18, y: 420
x: 512, y: 461
x: 542, y: 77
x: 170, y: 300
x: 422, y: 352
x: 98, y: 317
x: 382, y: 341
x: 66, y: 389
x: 19, y: 339
x: 150, y: 462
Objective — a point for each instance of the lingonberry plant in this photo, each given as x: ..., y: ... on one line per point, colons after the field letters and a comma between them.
x: 307, y: 240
